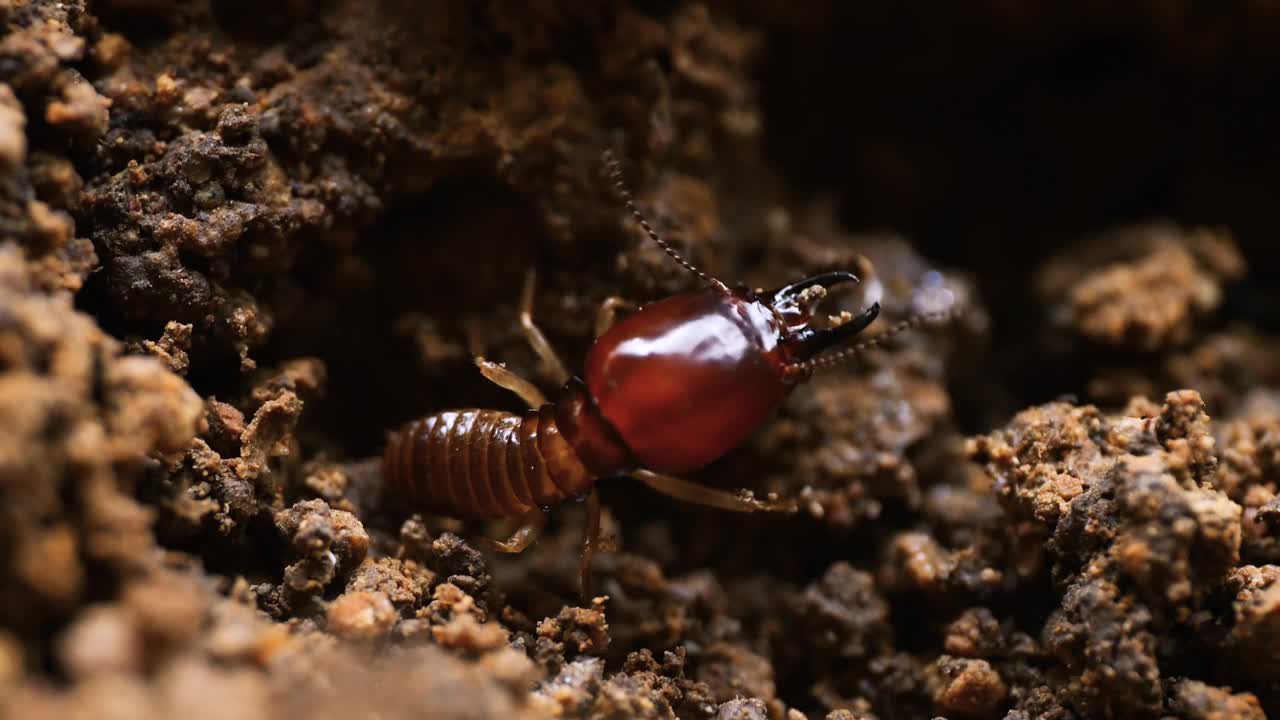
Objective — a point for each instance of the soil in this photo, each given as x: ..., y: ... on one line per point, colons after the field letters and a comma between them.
x: 240, y: 242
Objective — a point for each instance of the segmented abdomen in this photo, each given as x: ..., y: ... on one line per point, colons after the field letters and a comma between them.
x: 483, y: 464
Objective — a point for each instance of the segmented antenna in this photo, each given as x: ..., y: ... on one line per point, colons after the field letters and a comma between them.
x: 857, y: 349
x: 620, y: 187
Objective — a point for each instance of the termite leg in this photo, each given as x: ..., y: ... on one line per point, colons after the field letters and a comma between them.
x: 590, y: 538
x: 530, y: 527
x: 691, y: 492
x: 608, y: 312
x: 541, y: 347
x: 508, y: 380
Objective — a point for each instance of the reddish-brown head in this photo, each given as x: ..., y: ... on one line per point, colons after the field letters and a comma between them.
x: 686, y: 379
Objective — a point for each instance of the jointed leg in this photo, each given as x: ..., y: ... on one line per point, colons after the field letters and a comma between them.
x: 541, y: 347
x: 690, y: 492
x: 590, y: 538
x: 530, y: 527
x: 504, y: 378
x: 608, y: 312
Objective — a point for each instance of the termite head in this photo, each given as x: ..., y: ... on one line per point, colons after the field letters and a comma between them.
x: 795, y: 306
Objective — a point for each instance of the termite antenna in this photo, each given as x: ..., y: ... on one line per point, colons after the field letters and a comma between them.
x: 857, y: 349
x: 620, y: 187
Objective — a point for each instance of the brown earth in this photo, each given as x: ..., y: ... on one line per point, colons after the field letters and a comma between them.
x: 239, y: 242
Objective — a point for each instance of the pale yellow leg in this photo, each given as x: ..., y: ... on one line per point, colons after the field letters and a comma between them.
x: 608, y: 313
x: 508, y: 380
x: 690, y: 492
x: 551, y: 363
x: 531, y: 526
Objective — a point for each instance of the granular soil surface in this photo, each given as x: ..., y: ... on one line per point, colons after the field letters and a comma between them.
x: 240, y: 242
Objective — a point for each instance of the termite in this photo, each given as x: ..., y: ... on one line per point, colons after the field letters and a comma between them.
x: 668, y: 389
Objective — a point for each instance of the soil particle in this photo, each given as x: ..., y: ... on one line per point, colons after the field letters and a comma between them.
x: 172, y: 347
x: 416, y: 682
x: 1195, y: 700
x: 579, y: 631
x: 102, y: 640
x: 78, y: 418
x: 361, y: 615
x: 1139, y: 538
x: 753, y: 709
x: 168, y: 608
x: 643, y: 689
x: 37, y: 85
x: 966, y: 688
x: 80, y: 111
x: 844, y: 714
x: 328, y: 544
x: 459, y: 563
x: 975, y: 634
x: 1255, y: 634
x: 1144, y: 287
x: 846, y: 618
x: 464, y: 632
x: 405, y: 583
x: 13, y: 125
x: 733, y: 671
x: 570, y: 690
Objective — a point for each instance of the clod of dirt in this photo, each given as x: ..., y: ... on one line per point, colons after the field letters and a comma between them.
x: 172, y: 347
x: 731, y: 671
x: 967, y: 688
x: 753, y: 709
x: 78, y: 422
x: 13, y: 125
x: 975, y: 634
x: 577, y: 631
x: 1139, y: 539
x: 846, y: 618
x: 1143, y: 287
x: 405, y: 583
x: 328, y: 544
x: 361, y: 616
x: 1254, y: 639
x: 103, y: 640
x: 1197, y: 701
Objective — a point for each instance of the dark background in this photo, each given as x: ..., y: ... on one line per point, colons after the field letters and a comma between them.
x: 995, y: 132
